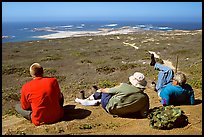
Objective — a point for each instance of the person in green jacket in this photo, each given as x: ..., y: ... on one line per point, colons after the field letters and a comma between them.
x: 126, y: 98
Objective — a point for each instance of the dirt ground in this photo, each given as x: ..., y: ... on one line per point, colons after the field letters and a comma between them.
x: 79, y: 63
x: 104, y: 124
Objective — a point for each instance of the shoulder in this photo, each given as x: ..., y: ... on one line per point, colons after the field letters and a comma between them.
x: 27, y: 86
x: 50, y: 78
x: 124, y: 84
x: 28, y: 83
x: 121, y: 85
x: 187, y: 87
x: 172, y: 87
x: 169, y: 89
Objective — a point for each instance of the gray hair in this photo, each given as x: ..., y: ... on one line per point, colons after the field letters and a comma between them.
x: 36, y: 70
x: 180, y: 78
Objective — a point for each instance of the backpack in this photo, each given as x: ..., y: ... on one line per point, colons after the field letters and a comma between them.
x: 167, y: 117
x: 128, y: 99
x: 131, y: 103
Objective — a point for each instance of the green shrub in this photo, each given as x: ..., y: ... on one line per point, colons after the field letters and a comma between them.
x: 50, y: 72
x: 167, y: 117
x: 195, y: 83
x: 11, y: 94
x: 116, y: 57
x: 60, y: 78
x: 86, y: 61
x: 77, y: 53
x: 106, y: 84
x: 85, y: 126
x: 10, y: 69
x: 128, y: 66
x: 106, y: 69
x: 49, y: 58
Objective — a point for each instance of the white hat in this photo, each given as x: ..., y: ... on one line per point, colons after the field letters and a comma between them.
x: 138, y: 80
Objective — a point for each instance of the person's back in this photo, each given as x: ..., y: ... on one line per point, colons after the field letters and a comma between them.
x: 43, y: 96
x: 177, y: 95
x: 127, y: 99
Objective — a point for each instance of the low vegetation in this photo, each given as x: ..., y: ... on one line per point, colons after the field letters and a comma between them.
x: 79, y: 63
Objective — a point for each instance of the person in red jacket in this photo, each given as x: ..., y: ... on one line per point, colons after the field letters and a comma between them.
x: 41, y: 99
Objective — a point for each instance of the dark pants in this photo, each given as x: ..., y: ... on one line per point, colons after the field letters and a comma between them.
x: 27, y: 113
x: 105, y: 97
x: 61, y: 102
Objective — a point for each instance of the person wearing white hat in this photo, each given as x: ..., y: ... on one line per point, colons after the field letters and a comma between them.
x: 124, y: 99
x: 138, y: 80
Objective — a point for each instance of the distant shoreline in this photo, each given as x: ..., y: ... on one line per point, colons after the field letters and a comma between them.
x: 20, y: 32
x: 124, y: 30
x: 65, y: 34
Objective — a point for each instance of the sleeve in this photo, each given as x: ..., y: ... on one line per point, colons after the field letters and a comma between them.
x: 57, y: 89
x: 25, y: 104
x: 165, y: 96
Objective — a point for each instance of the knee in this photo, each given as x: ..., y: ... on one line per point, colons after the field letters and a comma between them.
x: 97, y: 95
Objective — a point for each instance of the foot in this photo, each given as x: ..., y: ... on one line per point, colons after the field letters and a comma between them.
x: 95, y: 88
x: 153, y: 84
x: 82, y: 94
x: 153, y: 61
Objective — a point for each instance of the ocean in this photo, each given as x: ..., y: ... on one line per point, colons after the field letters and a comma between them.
x: 26, y: 31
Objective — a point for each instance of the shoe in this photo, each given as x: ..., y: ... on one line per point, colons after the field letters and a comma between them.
x: 95, y: 87
x: 82, y: 92
x: 154, y: 86
x: 153, y: 61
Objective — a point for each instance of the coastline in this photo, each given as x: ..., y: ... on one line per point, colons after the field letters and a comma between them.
x: 123, y: 30
x: 65, y: 34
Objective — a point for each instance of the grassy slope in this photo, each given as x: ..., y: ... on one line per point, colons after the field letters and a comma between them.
x: 79, y: 63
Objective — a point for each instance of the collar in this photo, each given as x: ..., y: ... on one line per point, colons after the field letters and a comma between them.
x: 37, y: 78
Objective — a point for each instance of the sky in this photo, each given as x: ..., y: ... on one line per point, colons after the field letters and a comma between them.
x: 140, y: 11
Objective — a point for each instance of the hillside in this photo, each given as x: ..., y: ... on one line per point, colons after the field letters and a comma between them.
x: 81, y: 62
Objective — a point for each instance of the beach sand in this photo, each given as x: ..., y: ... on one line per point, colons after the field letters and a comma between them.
x: 65, y: 34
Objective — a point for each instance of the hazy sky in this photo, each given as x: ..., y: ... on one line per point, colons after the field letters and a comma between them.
x: 141, y: 11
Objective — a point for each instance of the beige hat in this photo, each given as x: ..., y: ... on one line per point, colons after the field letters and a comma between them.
x: 138, y: 80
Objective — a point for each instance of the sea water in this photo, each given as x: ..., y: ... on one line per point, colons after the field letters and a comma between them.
x: 26, y: 31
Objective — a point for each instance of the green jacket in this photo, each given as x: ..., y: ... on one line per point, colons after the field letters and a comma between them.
x: 127, y: 99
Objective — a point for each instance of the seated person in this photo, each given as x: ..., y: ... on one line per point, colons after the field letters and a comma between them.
x: 41, y: 98
x: 172, y: 89
x: 123, y: 99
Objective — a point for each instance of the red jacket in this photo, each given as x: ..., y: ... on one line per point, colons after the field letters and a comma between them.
x: 42, y: 95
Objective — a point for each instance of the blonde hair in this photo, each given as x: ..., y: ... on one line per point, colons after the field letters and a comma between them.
x: 180, y: 78
x: 36, y: 70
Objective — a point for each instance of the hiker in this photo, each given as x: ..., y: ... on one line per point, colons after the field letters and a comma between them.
x: 123, y: 99
x: 172, y: 89
x: 41, y: 99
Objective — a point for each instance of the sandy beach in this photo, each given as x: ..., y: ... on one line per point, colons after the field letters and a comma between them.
x: 65, y: 34
x: 102, y: 32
